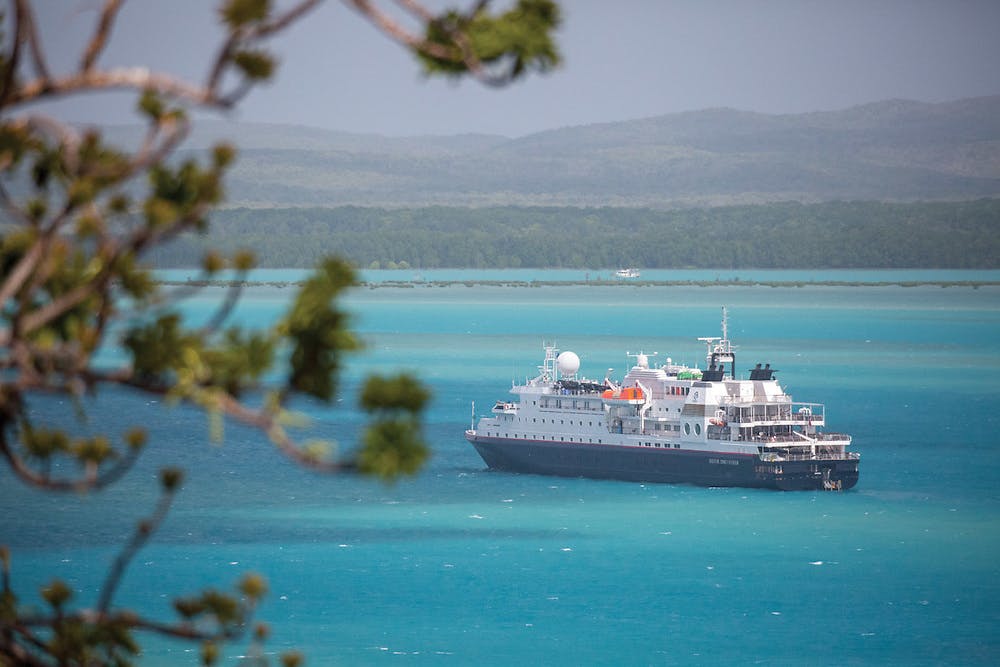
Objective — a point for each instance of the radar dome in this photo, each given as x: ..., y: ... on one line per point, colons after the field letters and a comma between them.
x: 568, y: 363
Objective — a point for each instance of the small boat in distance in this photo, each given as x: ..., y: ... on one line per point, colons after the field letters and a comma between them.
x: 627, y: 273
x: 668, y: 423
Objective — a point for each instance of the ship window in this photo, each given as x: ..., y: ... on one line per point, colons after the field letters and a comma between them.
x: 697, y: 429
x: 677, y: 446
x: 687, y: 428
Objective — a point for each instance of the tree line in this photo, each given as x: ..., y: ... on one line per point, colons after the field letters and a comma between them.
x: 779, y: 235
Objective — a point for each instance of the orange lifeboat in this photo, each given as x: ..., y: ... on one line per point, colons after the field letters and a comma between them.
x: 624, y: 396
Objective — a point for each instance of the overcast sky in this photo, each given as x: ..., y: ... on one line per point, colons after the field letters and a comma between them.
x: 624, y: 59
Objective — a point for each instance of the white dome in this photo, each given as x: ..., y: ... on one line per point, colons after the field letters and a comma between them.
x: 568, y: 363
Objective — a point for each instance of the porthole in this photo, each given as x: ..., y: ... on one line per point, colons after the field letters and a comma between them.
x: 697, y: 429
x: 687, y: 428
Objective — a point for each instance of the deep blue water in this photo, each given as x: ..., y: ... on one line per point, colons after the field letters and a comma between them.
x: 461, y: 565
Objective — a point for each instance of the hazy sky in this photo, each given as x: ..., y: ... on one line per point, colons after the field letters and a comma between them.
x: 623, y: 59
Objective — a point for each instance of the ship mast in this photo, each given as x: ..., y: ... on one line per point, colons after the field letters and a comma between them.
x: 720, y: 350
x: 548, y: 367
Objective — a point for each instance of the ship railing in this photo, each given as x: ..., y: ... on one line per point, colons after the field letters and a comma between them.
x: 801, y: 439
x: 828, y: 454
x: 740, y: 401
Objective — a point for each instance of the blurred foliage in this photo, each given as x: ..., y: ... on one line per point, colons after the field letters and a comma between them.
x: 81, y: 218
x: 519, y: 39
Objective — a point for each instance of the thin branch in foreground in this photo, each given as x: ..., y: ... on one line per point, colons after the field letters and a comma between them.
x: 101, y: 34
x: 170, y: 481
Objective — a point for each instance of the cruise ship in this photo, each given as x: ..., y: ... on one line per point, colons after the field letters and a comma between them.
x: 669, y: 423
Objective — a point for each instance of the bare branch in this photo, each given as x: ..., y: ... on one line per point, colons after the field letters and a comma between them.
x: 249, y: 35
x: 226, y: 307
x: 143, y: 532
x: 15, y: 55
x: 86, y: 483
x: 397, y: 32
x: 284, y: 19
x: 25, y: 16
x: 465, y: 54
x: 101, y: 34
x: 133, y: 78
x: 24, y: 267
x: 171, y: 131
x: 418, y: 10
x: 265, y: 421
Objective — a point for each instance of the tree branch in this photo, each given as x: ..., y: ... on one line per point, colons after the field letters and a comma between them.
x: 397, y: 32
x: 252, y: 34
x: 142, y: 533
x: 25, y: 15
x: 87, y: 483
x: 15, y: 54
x: 101, y: 34
x: 135, y: 78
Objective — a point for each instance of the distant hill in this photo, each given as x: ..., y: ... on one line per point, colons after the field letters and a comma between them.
x: 890, y: 151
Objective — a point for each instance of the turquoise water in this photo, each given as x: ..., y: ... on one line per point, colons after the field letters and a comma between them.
x: 461, y: 565
x: 656, y: 275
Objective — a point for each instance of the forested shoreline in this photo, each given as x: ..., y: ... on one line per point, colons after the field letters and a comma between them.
x: 783, y: 235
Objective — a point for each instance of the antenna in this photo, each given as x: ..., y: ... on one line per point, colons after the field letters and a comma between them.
x: 720, y: 350
x: 641, y: 358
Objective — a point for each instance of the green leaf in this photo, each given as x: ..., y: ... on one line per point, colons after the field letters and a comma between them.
x: 253, y: 586
x: 57, y: 593
x: 42, y: 443
x: 171, y: 478
x: 223, y: 155
x: 317, y: 331
x: 94, y: 450
x: 238, y: 13
x: 402, y: 392
x: 255, y: 65
x: 520, y: 39
x: 136, y: 438
x: 151, y: 104
x: 392, y: 448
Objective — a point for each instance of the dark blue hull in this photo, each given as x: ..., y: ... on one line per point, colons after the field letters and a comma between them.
x: 674, y: 466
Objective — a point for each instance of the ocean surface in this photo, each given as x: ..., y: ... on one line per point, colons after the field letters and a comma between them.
x: 465, y: 566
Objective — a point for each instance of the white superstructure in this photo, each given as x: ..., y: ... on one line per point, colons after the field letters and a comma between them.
x: 667, y: 406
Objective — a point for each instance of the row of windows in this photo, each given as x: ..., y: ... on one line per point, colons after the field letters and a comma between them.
x: 562, y: 421
x: 577, y: 404
x: 580, y: 440
x: 656, y: 426
x: 552, y: 438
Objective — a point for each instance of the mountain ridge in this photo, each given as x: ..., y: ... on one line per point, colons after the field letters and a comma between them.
x: 893, y: 150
